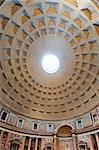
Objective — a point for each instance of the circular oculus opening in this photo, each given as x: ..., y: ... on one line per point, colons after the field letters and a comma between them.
x: 50, y: 63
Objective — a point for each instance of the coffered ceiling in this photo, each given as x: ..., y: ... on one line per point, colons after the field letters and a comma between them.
x: 29, y: 30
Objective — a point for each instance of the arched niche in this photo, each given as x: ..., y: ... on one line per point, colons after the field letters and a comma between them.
x: 48, y: 146
x: 82, y: 145
x: 15, y: 144
x: 64, y: 131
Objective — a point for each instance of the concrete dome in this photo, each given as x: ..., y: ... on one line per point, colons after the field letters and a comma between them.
x: 31, y: 29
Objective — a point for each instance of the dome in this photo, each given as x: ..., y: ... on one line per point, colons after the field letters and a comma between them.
x: 32, y: 29
x: 49, y: 74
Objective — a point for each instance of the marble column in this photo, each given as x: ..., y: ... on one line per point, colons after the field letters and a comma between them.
x: 55, y: 142
x: 36, y: 143
x: 29, y: 145
x: 97, y: 139
x: 64, y: 144
x: 42, y: 144
x: 1, y: 138
x: 91, y: 143
x: 7, y: 141
x: 23, y: 142
x: 74, y: 141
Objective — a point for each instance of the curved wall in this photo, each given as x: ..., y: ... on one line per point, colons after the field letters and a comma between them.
x: 7, y: 116
x: 84, y: 133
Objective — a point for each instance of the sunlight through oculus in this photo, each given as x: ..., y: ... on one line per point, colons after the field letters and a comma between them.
x: 50, y: 63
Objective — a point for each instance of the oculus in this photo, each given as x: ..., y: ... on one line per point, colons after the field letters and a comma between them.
x: 50, y: 63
